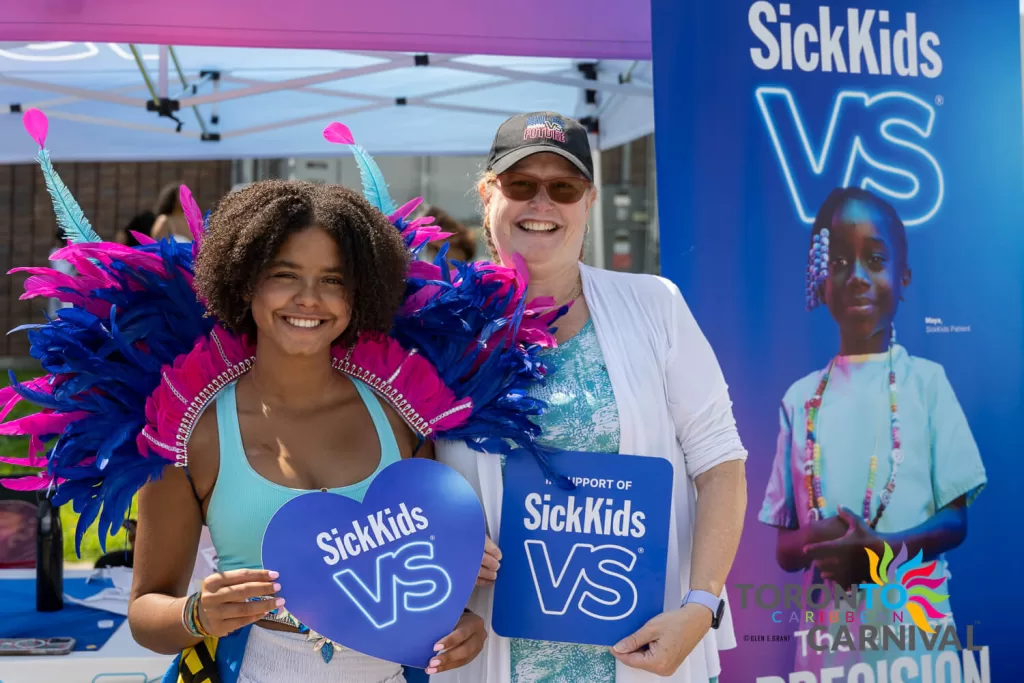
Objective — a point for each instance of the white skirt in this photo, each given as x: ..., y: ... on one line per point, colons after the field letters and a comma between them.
x: 284, y: 657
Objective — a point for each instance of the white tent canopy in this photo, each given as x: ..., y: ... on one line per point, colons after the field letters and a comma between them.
x: 273, y: 103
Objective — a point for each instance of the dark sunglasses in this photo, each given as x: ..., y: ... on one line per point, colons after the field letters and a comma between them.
x: 522, y: 188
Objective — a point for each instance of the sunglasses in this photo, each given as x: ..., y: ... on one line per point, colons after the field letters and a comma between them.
x: 522, y: 188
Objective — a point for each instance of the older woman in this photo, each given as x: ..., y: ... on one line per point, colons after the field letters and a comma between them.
x: 635, y: 376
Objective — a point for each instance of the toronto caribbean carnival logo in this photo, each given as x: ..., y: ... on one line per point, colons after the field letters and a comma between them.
x: 900, y: 608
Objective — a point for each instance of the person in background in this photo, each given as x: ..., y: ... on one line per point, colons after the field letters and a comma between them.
x: 142, y: 224
x: 635, y: 375
x: 462, y: 243
x: 170, y: 218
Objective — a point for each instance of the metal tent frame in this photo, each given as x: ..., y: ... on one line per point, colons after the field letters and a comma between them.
x: 208, y: 91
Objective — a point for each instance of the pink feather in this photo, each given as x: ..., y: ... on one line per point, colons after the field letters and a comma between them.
x: 30, y: 483
x: 37, y: 125
x: 339, y: 134
x: 36, y: 446
x: 10, y: 398
x: 406, y: 209
x: 31, y: 461
x: 142, y: 239
x: 424, y: 270
x: 41, y: 423
x: 193, y: 215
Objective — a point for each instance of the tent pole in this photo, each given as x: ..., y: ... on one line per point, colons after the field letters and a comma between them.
x: 163, y: 71
x: 512, y: 74
x: 184, y: 84
x: 60, y: 102
x: 114, y: 123
x: 597, y: 212
x: 290, y: 84
x: 80, y: 93
x: 350, y: 111
x: 145, y: 74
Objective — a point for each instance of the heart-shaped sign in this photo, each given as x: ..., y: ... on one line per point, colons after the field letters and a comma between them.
x: 387, y: 577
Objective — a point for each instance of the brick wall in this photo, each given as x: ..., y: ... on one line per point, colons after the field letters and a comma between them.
x: 110, y: 195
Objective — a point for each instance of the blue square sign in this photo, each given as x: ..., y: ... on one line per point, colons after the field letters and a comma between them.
x: 587, y: 565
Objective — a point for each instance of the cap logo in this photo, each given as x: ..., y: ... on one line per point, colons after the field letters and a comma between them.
x: 548, y: 127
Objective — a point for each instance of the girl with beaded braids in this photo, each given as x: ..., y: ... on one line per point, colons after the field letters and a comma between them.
x: 874, y: 449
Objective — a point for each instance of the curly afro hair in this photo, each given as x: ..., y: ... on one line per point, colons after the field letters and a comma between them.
x: 250, y: 226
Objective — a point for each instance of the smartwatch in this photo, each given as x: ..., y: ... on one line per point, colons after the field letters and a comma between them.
x: 709, y: 600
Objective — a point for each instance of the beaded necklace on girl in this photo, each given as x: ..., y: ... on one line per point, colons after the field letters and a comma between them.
x: 816, y: 274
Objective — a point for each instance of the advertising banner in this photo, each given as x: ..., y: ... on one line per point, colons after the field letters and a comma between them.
x: 841, y: 192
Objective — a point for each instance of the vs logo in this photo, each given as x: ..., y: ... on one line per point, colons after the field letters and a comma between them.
x: 404, y: 577
x: 873, y: 142
x: 593, y: 578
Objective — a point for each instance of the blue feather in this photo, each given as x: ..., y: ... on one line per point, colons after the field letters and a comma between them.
x: 70, y: 217
x: 375, y: 189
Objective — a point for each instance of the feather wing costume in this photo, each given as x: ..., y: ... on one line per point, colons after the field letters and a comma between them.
x: 134, y: 360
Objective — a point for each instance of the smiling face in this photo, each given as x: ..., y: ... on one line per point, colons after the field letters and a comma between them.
x: 300, y: 303
x: 547, y: 234
x: 867, y: 273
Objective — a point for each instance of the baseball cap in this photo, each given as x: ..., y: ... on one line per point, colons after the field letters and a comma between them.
x: 543, y: 131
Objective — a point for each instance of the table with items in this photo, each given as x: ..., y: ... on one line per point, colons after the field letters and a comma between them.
x: 94, y: 615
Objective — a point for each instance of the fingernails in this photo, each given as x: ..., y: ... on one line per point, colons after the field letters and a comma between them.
x: 279, y: 602
x: 438, y: 647
x: 273, y: 575
x: 435, y: 662
x: 277, y: 587
x: 620, y: 646
x: 431, y: 671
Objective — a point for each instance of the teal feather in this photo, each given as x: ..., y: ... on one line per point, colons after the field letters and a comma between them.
x: 72, y: 221
x: 375, y: 189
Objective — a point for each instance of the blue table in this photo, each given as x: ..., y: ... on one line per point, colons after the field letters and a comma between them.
x: 114, y: 657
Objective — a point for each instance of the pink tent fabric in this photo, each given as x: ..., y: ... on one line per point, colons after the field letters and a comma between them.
x: 585, y: 29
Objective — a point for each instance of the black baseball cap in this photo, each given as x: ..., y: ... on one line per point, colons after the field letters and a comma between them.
x: 542, y: 131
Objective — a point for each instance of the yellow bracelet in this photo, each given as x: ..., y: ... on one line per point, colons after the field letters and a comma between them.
x: 196, y: 621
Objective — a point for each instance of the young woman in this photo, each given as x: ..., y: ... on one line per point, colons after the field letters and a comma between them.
x: 306, y: 349
x: 298, y: 268
x: 874, y: 448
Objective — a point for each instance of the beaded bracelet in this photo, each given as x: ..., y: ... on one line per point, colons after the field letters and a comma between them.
x: 190, y: 617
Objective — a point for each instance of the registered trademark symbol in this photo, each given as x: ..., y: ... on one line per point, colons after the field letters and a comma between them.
x: 431, y: 537
x: 641, y: 551
x: 939, y: 100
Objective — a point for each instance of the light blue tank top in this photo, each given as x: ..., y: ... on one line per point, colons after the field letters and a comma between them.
x: 243, y: 501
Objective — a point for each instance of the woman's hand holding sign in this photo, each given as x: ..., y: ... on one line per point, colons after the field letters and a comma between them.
x: 662, y: 644
x: 490, y: 564
x: 461, y: 646
x: 225, y: 604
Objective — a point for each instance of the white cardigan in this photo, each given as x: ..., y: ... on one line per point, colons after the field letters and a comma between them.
x: 673, y: 402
